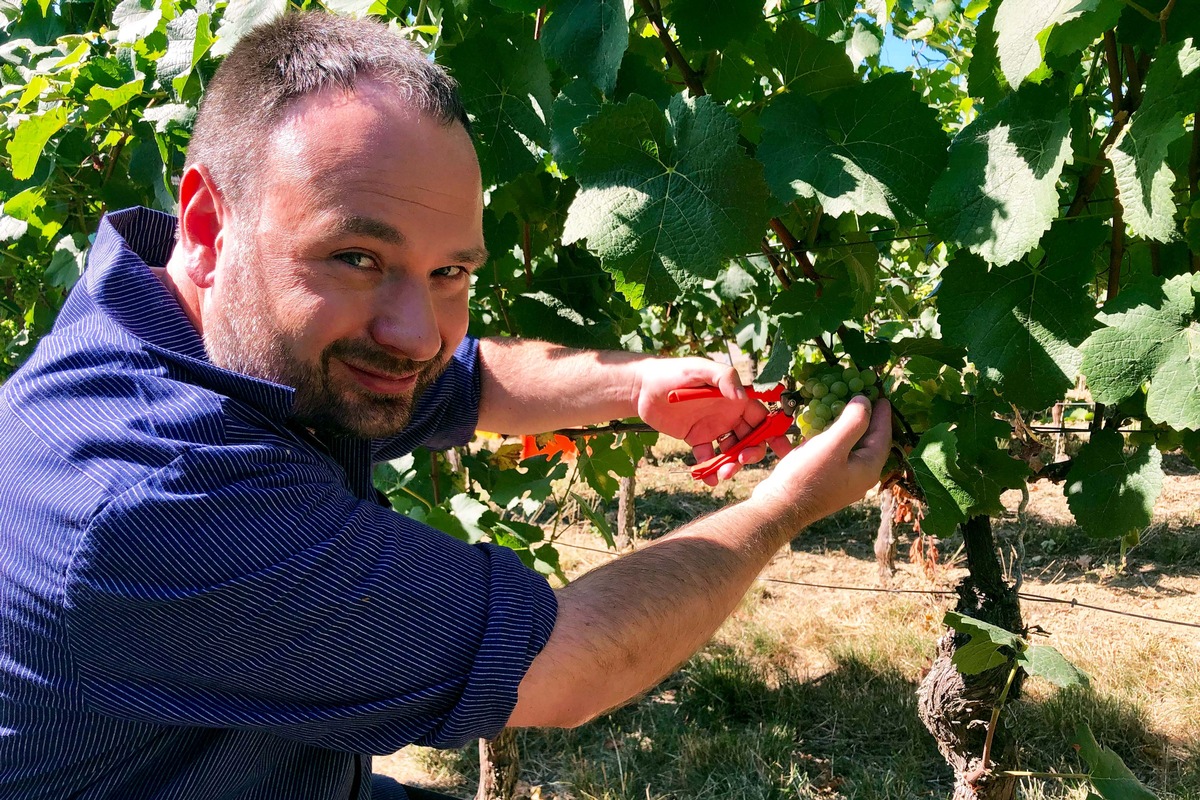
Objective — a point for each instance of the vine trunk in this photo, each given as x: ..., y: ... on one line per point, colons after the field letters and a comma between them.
x: 956, y: 708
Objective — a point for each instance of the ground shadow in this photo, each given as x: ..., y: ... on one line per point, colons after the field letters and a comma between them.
x: 723, y: 727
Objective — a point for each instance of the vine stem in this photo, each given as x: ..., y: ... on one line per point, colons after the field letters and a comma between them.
x: 996, y: 709
x: 794, y: 247
x: 1150, y: 15
x: 566, y: 494
x: 1020, y: 773
x: 1163, y: 16
x: 691, y: 78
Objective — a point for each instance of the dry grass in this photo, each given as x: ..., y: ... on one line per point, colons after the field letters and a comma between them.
x: 809, y: 693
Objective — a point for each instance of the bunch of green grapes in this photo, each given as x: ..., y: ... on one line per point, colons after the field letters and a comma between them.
x: 828, y: 388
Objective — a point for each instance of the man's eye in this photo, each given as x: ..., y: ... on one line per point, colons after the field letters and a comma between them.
x: 450, y: 272
x: 357, y: 260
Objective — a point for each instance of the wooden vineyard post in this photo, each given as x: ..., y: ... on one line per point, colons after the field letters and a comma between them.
x: 626, y: 516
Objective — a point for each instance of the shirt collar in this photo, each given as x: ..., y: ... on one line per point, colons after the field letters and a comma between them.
x: 119, y: 279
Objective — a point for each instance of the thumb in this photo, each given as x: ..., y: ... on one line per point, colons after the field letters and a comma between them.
x: 845, y: 432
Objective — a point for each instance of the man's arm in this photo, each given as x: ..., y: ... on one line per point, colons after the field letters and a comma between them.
x: 624, y: 626
x: 530, y: 387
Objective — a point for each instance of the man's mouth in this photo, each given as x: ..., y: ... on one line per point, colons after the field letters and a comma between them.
x: 382, y: 382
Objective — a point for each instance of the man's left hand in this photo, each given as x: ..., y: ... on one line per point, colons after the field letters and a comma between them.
x: 706, y: 425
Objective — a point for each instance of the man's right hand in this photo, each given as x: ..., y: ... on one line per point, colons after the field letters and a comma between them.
x: 831, y: 470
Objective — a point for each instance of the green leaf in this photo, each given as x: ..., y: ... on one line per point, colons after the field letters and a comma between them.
x: 1112, y: 493
x: 983, y: 72
x: 665, y: 201
x: 805, y: 311
x: 1021, y: 29
x: 989, y: 646
x: 1139, y: 154
x: 31, y: 137
x: 1094, y: 18
x: 865, y: 42
x: 807, y: 63
x: 867, y: 148
x: 983, y: 453
x: 67, y: 263
x: 575, y: 105
x: 350, y: 8
x: 240, y: 16
x: 506, y: 88
x: 779, y: 364
x: 1151, y: 335
x: 947, y: 487
x: 102, y: 101
x: 999, y: 195
x: 588, y: 39
x: 598, y: 520
x: 1021, y: 324
x: 1110, y: 777
x: 136, y: 19
x: 1046, y: 662
x: 600, y: 463
x: 713, y: 24
x: 188, y: 38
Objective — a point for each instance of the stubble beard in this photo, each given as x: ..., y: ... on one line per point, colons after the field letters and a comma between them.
x: 243, y: 338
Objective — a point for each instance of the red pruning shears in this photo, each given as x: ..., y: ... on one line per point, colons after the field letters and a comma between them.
x: 777, y: 422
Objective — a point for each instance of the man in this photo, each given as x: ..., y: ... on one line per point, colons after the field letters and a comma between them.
x: 202, y: 594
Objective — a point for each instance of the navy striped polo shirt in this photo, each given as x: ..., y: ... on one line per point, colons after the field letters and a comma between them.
x: 198, y: 599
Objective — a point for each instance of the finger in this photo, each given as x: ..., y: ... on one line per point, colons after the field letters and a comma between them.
x: 727, y: 471
x: 703, y: 452
x: 781, y: 446
x: 727, y: 441
x: 753, y: 454
x: 850, y: 426
x: 730, y: 383
x: 876, y: 442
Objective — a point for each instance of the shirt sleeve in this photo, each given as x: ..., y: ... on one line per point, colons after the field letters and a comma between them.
x: 446, y: 413
x: 246, y: 590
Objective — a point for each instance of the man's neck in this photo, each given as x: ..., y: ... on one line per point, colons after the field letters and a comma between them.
x: 174, y: 276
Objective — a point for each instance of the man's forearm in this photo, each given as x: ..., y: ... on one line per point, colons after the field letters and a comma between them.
x: 531, y: 386
x: 626, y: 625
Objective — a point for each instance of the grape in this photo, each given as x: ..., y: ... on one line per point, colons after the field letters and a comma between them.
x: 867, y: 377
x: 809, y: 416
x: 855, y: 384
x: 840, y: 389
x: 830, y: 378
x: 820, y: 390
x: 872, y: 393
x: 838, y: 407
x: 822, y: 411
x: 849, y: 374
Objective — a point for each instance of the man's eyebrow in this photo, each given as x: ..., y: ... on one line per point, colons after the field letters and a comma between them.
x: 368, y: 226
x: 472, y: 256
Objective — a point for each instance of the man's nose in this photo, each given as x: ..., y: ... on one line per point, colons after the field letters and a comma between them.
x: 406, y: 322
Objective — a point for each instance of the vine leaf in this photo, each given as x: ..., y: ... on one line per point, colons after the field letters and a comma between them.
x: 505, y: 85
x: 598, y: 520
x: 1110, y: 777
x: 987, y: 646
x: 1023, y: 27
x: 1112, y: 493
x: 866, y: 148
x: 575, y: 105
x: 25, y: 147
x: 713, y: 24
x: 1046, y: 662
x: 947, y: 487
x: 588, y: 39
x: 998, y: 194
x: 990, y: 468
x: 240, y: 16
x: 1139, y: 154
x: 1022, y: 324
x: 804, y: 311
x: 1151, y: 335
x: 1093, y: 19
x: 983, y: 71
x: 665, y: 200
x: 136, y: 19
x: 807, y: 63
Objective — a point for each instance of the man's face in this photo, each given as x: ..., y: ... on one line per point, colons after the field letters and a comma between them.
x: 345, y: 273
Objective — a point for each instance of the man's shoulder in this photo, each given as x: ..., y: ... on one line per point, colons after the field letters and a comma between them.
x: 116, y: 412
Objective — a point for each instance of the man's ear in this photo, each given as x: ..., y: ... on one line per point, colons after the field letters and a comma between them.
x: 202, y: 219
